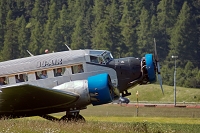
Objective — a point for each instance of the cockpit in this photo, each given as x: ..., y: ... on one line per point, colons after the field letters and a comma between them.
x: 100, y: 56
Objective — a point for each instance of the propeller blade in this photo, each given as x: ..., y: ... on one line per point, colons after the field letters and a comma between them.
x: 160, y: 81
x: 155, y: 50
x: 158, y: 66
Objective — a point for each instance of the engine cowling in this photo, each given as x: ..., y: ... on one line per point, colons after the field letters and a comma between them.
x: 100, y: 89
x: 96, y: 90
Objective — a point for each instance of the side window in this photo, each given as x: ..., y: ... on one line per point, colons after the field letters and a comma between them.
x: 94, y: 59
x: 77, y: 69
x: 59, y: 71
x: 43, y: 74
x: 21, y: 78
x: 37, y: 75
x: 68, y: 70
x: 3, y: 81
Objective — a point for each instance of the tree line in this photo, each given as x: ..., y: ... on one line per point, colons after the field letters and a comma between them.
x: 124, y: 27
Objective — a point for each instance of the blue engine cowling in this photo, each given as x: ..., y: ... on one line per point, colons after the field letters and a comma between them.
x: 150, y: 66
x: 100, y: 89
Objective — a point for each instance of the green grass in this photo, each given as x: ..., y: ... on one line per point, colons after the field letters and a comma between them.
x: 113, y: 119
x: 152, y: 92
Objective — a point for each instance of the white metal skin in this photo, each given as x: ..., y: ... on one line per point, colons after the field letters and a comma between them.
x: 79, y: 87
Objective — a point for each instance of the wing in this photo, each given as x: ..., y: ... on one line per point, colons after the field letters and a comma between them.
x: 26, y: 97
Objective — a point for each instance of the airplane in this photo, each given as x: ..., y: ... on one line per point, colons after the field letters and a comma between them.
x: 40, y: 85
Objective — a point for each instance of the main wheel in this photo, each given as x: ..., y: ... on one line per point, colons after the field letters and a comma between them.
x: 72, y: 118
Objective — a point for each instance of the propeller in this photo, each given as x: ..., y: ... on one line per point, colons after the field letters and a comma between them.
x: 158, y: 66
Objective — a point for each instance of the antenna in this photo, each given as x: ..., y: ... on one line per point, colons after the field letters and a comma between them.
x: 68, y: 47
x: 29, y: 53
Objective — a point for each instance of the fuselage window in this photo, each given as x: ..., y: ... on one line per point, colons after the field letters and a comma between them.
x: 43, y: 74
x: 59, y: 71
x: 36, y: 75
x: 20, y: 78
x: 3, y: 81
x: 77, y: 69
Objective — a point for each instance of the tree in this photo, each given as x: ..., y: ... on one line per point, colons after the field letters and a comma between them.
x: 128, y: 26
x: 145, y: 38
x: 64, y: 28
x: 99, y: 26
x: 166, y: 19
x: 3, y: 13
x: 77, y: 35
x: 36, y: 39
x: 183, y: 37
x: 114, y: 30
x: 81, y: 34
x: 23, y: 36
x: 52, y: 18
x: 55, y: 38
x: 10, y: 48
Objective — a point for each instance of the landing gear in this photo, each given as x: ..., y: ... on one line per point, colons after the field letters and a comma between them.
x: 69, y: 117
x: 72, y: 118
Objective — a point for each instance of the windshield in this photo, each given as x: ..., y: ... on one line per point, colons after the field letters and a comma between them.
x: 101, y: 57
x: 107, y: 56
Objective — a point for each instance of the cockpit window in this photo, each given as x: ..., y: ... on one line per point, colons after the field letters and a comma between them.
x: 101, y: 57
x: 94, y: 59
x: 107, y: 56
x: 97, y: 59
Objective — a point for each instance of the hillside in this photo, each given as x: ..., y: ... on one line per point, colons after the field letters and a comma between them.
x: 152, y: 93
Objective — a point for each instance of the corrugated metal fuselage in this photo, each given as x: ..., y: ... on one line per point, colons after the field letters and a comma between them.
x: 122, y: 72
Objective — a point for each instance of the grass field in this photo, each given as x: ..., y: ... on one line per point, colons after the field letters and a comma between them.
x: 113, y: 118
x: 153, y: 93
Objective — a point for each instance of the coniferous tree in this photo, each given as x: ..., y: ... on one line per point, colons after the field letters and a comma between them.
x: 81, y: 35
x: 10, y: 48
x: 64, y: 29
x: 38, y: 13
x: 36, y: 39
x: 99, y: 26
x: 128, y: 26
x: 145, y: 38
x: 55, y: 38
x: 23, y: 36
x: 113, y: 19
x: 183, y: 37
x: 166, y: 19
x: 3, y: 13
x: 77, y: 35
x: 52, y: 18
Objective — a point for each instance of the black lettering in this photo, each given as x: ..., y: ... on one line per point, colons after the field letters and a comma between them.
x: 46, y: 63
x: 60, y: 61
x: 39, y: 64
x: 52, y: 63
x: 49, y: 63
x: 43, y: 64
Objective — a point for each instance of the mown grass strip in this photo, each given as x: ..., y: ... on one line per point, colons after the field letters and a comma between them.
x: 161, y: 120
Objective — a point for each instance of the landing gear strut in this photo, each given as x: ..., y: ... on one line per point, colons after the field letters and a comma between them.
x: 69, y: 117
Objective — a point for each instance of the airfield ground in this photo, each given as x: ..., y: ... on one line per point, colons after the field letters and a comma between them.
x: 164, y: 105
x: 113, y: 118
